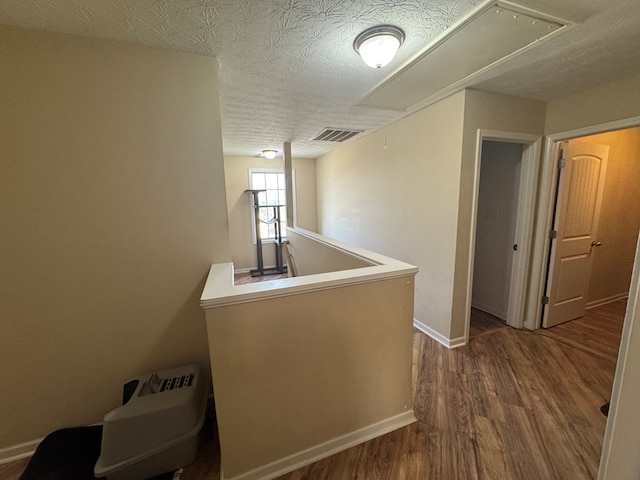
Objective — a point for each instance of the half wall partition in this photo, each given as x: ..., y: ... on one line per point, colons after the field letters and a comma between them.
x: 308, y: 366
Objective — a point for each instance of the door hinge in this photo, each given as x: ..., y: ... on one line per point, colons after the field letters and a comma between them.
x: 562, y: 160
x: 553, y: 234
x: 545, y: 300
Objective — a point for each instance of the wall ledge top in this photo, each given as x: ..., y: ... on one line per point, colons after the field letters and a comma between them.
x: 219, y: 289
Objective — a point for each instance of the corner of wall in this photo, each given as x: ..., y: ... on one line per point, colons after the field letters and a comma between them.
x: 490, y: 111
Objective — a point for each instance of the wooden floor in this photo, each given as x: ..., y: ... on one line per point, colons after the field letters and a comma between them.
x: 245, y: 278
x: 483, y: 323
x: 512, y: 404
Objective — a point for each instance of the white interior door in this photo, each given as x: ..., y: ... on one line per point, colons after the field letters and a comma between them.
x: 580, y: 187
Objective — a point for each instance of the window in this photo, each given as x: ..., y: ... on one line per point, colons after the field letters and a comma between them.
x: 274, y: 199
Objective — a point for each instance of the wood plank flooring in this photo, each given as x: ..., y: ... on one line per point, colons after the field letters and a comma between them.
x: 245, y: 278
x: 511, y: 404
x: 483, y: 323
x: 598, y: 332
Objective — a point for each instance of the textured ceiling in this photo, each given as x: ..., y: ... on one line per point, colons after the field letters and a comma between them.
x: 288, y: 69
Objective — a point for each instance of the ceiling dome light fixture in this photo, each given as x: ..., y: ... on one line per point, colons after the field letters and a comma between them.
x: 378, y: 45
x: 269, y: 154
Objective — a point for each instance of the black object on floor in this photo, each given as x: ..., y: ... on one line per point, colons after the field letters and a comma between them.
x: 69, y: 454
x: 605, y: 409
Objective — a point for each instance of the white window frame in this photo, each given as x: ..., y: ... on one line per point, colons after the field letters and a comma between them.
x: 289, y: 222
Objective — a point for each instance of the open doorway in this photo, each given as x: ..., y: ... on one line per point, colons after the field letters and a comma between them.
x: 596, y: 224
x: 612, y: 262
x: 496, y: 245
x: 504, y: 192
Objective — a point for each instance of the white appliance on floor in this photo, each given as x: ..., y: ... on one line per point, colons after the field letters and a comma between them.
x: 156, y: 430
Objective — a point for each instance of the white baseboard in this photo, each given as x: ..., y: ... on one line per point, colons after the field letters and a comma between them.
x: 438, y: 337
x: 604, y: 301
x: 17, y: 452
x: 490, y: 310
x: 318, y: 452
x: 457, y: 342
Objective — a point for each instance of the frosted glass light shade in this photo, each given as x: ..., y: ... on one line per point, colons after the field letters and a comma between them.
x: 379, y: 51
x: 269, y: 154
x: 378, y: 45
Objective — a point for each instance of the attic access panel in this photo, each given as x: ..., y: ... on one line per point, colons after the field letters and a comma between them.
x: 483, y: 40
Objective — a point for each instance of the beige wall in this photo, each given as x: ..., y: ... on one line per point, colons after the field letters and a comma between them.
x: 619, y: 216
x: 489, y: 111
x: 614, y: 101
x: 312, y: 257
x: 317, y: 366
x: 112, y: 209
x: 413, y: 200
x: 402, y: 200
x: 306, y: 204
x: 243, y: 250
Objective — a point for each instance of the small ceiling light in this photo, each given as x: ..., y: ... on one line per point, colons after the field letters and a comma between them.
x: 378, y: 45
x: 269, y: 154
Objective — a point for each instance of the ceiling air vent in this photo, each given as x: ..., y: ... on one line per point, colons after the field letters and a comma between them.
x: 335, y: 135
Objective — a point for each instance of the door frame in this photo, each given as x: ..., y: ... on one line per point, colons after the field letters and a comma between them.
x: 545, y: 212
x: 530, y: 167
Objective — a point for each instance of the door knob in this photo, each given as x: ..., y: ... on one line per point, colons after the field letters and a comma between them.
x: 596, y: 244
